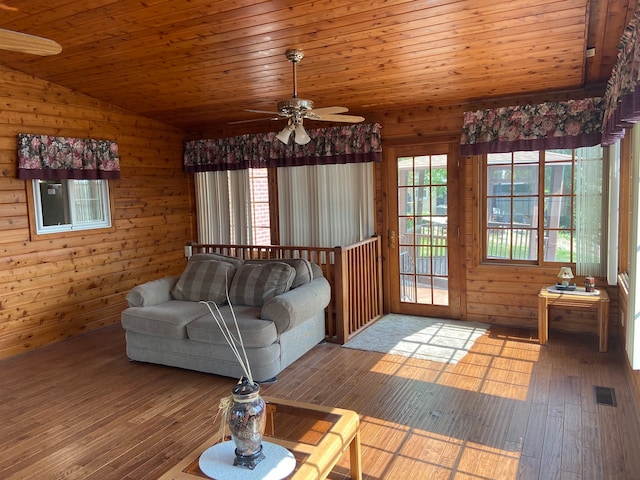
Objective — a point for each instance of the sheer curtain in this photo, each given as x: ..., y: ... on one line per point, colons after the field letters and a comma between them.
x: 591, y: 187
x: 326, y: 206
x: 88, y: 198
x: 223, y: 205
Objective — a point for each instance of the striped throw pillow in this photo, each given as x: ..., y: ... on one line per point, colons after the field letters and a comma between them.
x: 255, y: 283
x: 206, y: 280
x: 302, y: 266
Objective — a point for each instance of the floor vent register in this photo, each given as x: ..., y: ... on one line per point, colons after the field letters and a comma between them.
x: 605, y: 396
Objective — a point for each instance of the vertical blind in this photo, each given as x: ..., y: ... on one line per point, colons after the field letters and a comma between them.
x: 326, y: 206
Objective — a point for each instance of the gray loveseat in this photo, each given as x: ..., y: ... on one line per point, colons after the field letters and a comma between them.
x: 279, y: 306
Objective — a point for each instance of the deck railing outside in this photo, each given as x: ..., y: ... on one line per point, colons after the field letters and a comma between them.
x: 354, y: 273
x: 514, y: 243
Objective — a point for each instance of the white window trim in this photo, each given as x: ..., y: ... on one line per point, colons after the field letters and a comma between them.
x: 73, y: 226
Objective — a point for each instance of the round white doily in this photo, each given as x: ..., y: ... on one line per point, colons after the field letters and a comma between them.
x: 217, y: 462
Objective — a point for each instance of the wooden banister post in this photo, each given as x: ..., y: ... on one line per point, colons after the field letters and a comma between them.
x: 378, y: 260
x: 341, y: 296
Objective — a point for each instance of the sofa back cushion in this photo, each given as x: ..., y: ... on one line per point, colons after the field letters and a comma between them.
x: 204, y: 280
x: 255, y: 283
x: 302, y: 266
x: 206, y: 257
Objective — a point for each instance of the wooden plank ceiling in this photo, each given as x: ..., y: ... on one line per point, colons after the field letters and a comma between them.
x: 198, y: 64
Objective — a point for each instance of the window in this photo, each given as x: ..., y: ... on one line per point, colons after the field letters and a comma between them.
x: 422, y: 228
x: 68, y: 205
x: 313, y: 205
x: 530, y: 205
x: 233, y: 207
x: 259, y: 191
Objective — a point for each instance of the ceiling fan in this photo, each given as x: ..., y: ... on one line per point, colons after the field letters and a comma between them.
x: 25, y: 43
x: 296, y: 109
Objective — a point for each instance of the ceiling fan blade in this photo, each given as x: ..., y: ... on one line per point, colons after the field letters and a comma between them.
x: 329, y: 110
x: 262, y: 111
x: 255, y: 120
x: 338, y: 118
x: 25, y: 43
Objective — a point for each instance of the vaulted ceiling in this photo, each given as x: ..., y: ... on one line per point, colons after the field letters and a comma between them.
x: 199, y: 64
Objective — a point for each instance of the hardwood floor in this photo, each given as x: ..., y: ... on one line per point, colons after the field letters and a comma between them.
x: 510, y: 410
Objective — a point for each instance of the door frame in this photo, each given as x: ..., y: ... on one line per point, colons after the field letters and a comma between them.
x: 455, y: 201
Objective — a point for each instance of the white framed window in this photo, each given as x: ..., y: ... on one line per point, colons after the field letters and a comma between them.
x: 70, y: 205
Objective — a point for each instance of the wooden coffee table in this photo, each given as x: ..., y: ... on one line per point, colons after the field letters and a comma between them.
x: 317, y: 436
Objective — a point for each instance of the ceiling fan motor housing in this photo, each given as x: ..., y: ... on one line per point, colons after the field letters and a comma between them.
x: 293, y: 106
x: 294, y: 55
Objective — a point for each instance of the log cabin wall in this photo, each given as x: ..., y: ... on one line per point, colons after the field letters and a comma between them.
x: 57, y: 286
x: 508, y: 295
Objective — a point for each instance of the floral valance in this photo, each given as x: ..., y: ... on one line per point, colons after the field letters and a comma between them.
x: 345, y: 144
x: 551, y: 125
x: 622, y: 95
x: 57, y: 158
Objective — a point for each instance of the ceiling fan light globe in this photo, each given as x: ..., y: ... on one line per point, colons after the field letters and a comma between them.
x: 301, y: 138
x: 284, y: 135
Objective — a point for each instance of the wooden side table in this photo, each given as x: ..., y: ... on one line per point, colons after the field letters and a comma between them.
x: 578, y: 299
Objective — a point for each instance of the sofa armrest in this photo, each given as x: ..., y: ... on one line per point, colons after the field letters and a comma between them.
x: 295, y: 306
x: 154, y: 292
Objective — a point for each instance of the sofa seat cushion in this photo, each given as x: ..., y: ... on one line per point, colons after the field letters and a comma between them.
x: 255, y: 283
x: 255, y: 332
x: 204, y: 280
x: 203, y: 357
x: 168, y: 319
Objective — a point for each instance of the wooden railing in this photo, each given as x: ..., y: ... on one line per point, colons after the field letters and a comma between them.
x: 354, y: 273
x: 515, y: 243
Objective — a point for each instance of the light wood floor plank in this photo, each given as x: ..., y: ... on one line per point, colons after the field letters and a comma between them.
x: 509, y: 410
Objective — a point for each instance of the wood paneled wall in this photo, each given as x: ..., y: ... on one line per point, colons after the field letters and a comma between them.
x: 507, y: 295
x: 496, y: 294
x: 56, y: 286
